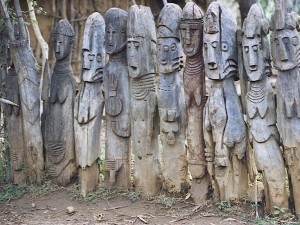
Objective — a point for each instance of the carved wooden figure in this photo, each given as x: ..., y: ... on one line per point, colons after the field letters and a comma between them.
x: 285, y: 49
x: 28, y: 84
x: 191, y: 28
x: 89, y: 103
x: 117, y: 101
x: 141, y: 58
x: 59, y: 126
x: 171, y: 99
x: 260, y: 107
x: 225, y: 130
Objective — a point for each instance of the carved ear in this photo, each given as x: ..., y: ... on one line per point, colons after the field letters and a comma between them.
x: 264, y: 24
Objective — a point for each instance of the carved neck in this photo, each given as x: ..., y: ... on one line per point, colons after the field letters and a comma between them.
x: 257, y: 90
x: 63, y: 65
x: 118, y: 56
x: 194, y: 64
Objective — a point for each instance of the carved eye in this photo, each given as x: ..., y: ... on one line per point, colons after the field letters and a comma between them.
x: 276, y: 41
x: 214, y: 44
x: 99, y: 57
x: 254, y: 47
x: 107, y: 31
x: 123, y: 30
x: 295, y: 41
x: 285, y: 40
x: 136, y: 44
x: 91, y: 57
x: 166, y: 48
x: 246, y: 49
x: 224, y: 47
x: 173, y: 47
x: 113, y: 31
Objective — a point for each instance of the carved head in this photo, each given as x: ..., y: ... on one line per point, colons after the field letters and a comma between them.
x: 191, y: 29
x: 93, y: 49
x: 141, y: 41
x: 256, y: 53
x: 115, y: 31
x: 220, y: 50
x: 285, y: 41
x: 63, y: 37
x: 169, y: 55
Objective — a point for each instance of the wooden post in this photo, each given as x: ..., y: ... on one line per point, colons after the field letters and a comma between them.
x: 224, y: 124
x: 89, y: 104
x: 141, y: 58
x: 117, y: 101
x: 59, y: 126
x: 285, y: 49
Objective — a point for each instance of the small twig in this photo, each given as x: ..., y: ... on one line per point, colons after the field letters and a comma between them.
x: 8, y: 102
x: 117, y: 207
x: 142, y: 219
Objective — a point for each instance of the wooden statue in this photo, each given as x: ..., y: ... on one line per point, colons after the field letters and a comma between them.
x: 59, y: 126
x: 260, y: 107
x: 225, y: 130
x: 191, y: 28
x: 89, y: 103
x: 285, y: 49
x: 117, y: 101
x: 171, y: 99
x: 28, y: 84
x: 141, y: 58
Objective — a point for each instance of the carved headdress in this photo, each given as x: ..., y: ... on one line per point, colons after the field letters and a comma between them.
x: 64, y: 28
x: 191, y: 11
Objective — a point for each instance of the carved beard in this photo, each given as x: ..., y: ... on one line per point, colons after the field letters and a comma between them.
x: 230, y: 68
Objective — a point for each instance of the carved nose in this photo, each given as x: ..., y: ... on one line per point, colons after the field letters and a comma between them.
x: 57, y: 48
x: 283, y: 54
x: 188, y: 38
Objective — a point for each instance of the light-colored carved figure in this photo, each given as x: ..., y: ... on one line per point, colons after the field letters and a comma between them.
x: 191, y: 28
x: 225, y: 130
x: 171, y: 99
x: 285, y: 49
x: 141, y: 58
x: 59, y: 126
x: 89, y: 103
x: 260, y: 107
x: 117, y: 101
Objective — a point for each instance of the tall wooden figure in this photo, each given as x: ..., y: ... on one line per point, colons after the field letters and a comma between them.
x: 260, y: 107
x: 285, y: 49
x: 191, y: 28
x: 89, y: 104
x: 117, y: 101
x: 141, y: 58
x: 225, y: 129
x: 171, y: 99
x: 59, y: 126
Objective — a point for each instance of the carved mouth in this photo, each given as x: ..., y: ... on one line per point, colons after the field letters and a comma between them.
x: 253, y: 68
x: 134, y: 68
x: 212, y: 66
x: 189, y: 48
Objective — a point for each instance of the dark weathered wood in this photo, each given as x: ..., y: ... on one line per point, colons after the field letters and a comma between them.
x: 260, y: 107
x: 224, y: 125
x: 171, y: 99
x: 28, y: 83
x: 285, y: 49
x: 89, y: 103
x: 59, y: 126
x: 191, y: 28
x: 117, y: 101
x: 141, y: 58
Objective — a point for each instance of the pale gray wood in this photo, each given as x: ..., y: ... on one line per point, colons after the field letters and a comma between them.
x: 171, y: 99
x: 224, y: 126
x: 260, y: 107
x: 285, y: 49
x: 191, y: 28
x: 117, y: 101
x: 141, y: 58
x: 59, y: 126
x: 89, y: 103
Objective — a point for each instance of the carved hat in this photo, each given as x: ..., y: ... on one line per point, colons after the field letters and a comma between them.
x: 64, y: 28
x: 255, y: 22
x: 215, y: 11
x: 141, y: 23
x: 168, y: 21
x: 119, y: 16
x: 191, y: 11
x: 94, y: 30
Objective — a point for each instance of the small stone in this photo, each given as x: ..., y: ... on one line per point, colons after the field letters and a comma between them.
x: 33, y: 205
x: 71, y: 210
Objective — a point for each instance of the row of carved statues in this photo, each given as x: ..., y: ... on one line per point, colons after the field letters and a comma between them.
x: 221, y: 141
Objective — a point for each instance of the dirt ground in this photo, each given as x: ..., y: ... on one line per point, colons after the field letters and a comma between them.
x: 52, y: 209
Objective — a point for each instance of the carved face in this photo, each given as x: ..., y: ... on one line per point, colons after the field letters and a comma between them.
x: 62, y: 46
x: 285, y: 48
x: 115, y: 37
x: 191, y: 35
x: 219, y: 56
x: 254, y: 56
x: 93, y: 63
x: 169, y: 55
